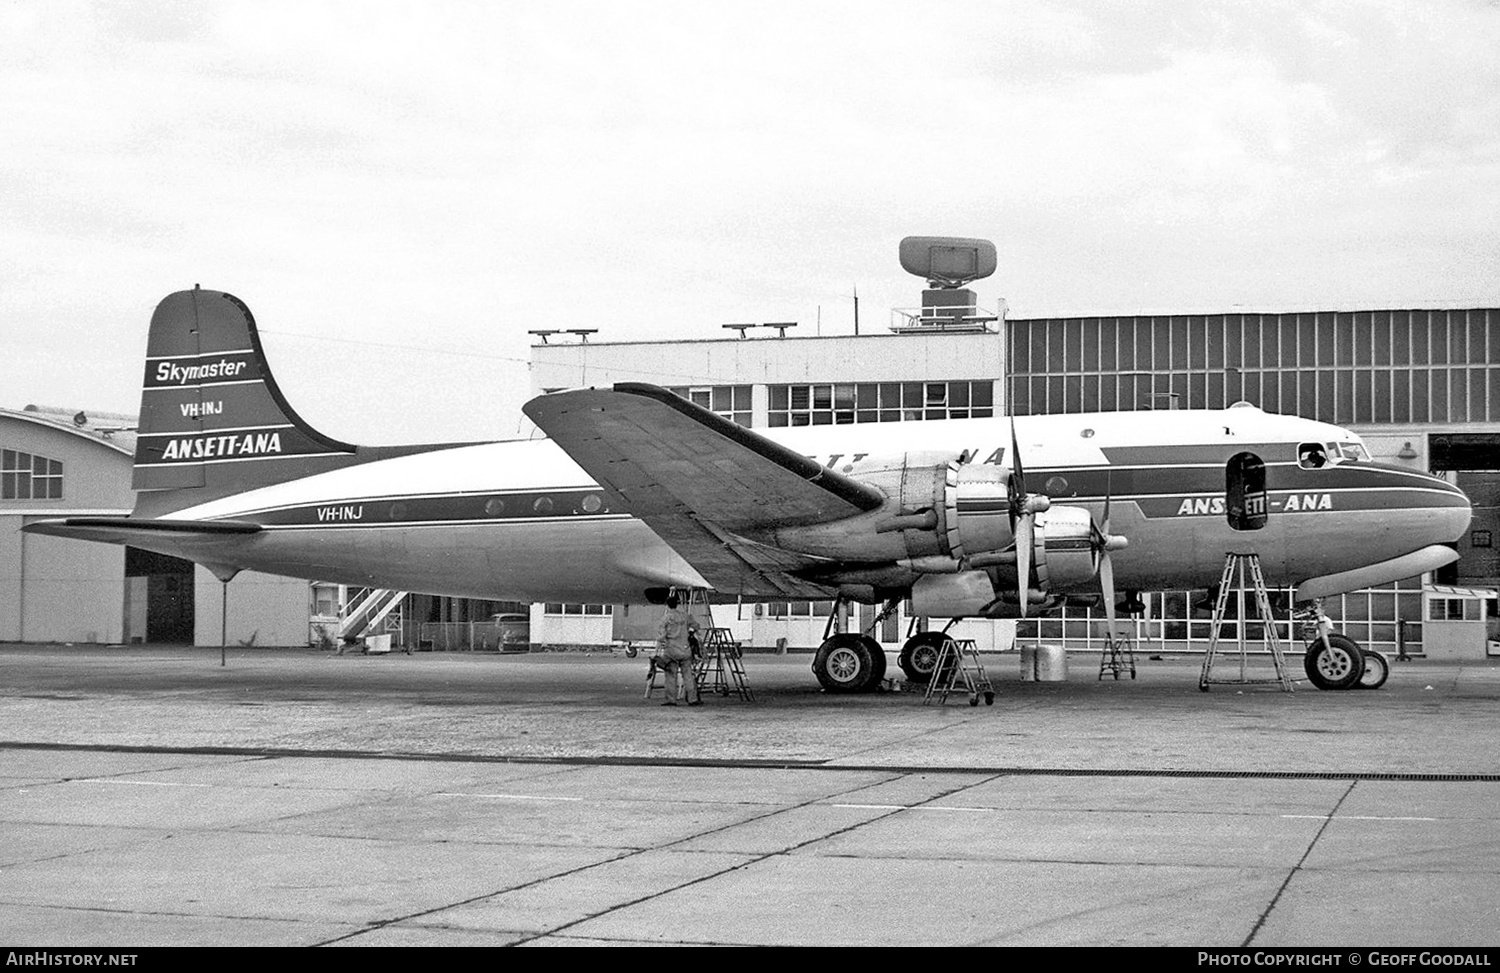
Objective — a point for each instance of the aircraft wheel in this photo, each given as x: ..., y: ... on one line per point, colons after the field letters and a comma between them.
x: 877, y: 657
x: 1377, y: 670
x: 919, y: 656
x: 630, y: 651
x: 845, y: 664
x: 1338, y: 665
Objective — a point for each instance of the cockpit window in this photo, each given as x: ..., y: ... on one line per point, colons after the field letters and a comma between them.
x: 1352, y: 452
x: 1313, y: 456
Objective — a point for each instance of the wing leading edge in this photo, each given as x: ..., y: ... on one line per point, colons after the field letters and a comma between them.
x: 701, y: 482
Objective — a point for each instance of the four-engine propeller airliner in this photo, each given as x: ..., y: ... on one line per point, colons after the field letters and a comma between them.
x: 638, y: 491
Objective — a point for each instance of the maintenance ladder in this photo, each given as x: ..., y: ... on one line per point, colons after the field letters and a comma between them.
x: 1117, y: 658
x: 958, y: 661
x: 721, y: 670
x: 1242, y: 562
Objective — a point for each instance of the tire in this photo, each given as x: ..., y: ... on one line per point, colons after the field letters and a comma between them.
x: 845, y: 664
x: 919, y: 656
x: 1339, y: 665
x: 630, y: 651
x: 1377, y: 670
x: 877, y: 657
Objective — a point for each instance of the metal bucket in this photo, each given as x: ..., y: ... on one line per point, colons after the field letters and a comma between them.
x: 1044, y: 663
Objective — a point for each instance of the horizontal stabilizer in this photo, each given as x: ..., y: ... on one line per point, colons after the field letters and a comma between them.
x: 138, y: 532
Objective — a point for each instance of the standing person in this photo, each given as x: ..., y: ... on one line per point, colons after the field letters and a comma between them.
x: 673, y: 652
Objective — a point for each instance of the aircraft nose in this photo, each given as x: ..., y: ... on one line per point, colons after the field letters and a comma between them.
x: 1457, y: 510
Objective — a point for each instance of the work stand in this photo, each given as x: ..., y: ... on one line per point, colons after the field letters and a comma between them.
x: 720, y: 667
x: 1117, y: 658
x: 1239, y: 564
x: 958, y: 662
x: 721, y: 670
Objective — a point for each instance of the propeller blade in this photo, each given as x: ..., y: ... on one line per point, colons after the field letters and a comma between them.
x: 1024, y: 538
x: 1107, y: 582
x: 1017, y: 473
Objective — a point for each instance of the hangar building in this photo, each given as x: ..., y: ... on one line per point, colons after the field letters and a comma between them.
x: 67, y: 463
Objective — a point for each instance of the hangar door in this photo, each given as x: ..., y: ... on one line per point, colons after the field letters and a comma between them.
x: 158, y: 598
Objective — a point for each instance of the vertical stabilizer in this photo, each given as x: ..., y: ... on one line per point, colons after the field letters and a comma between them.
x: 212, y: 420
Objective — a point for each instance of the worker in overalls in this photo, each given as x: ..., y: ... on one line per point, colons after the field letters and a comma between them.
x: 674, y: 654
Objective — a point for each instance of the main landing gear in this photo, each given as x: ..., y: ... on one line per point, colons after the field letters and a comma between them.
x: 919, y: 656
x: 847, y: 662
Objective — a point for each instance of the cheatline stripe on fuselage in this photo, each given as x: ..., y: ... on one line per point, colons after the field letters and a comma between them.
x: 550, y: 519
x: 571, y: 505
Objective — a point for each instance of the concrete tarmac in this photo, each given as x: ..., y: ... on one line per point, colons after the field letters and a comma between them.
x: 151, y: 797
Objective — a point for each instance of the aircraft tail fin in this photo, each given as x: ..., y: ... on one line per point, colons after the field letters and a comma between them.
x: 212, y: 419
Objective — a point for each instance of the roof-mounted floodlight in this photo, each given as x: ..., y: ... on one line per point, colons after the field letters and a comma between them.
x: 947, y: 261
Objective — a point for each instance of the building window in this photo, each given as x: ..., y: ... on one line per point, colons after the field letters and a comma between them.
x: 730, y: 401
x: 27, y: 477
x: 799, y: 609
x: 558, y: 608
x: 837, y: 404
x: 1341, y: 367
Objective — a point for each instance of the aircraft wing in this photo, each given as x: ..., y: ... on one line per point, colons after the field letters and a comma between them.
x: 702, y: 482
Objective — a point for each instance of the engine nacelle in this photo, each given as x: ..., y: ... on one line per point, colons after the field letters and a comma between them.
x: 1063, y: 556
x: 943, y: 519
x: 1062, y: 560
x: 936, y: 507
x: 913, y: 523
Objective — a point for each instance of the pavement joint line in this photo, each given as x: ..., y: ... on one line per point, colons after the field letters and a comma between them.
x: 135, y: 783
x: 371, y: 927
x: 1292, y: 873
x: 810, y: 802
x: 970, y: 770
x: 507, y: 797
x: 1355, y: 817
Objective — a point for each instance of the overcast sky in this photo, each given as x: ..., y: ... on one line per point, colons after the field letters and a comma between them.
x: 401, y: 191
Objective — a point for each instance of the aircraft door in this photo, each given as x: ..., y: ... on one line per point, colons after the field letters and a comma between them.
x: 1245, y: 492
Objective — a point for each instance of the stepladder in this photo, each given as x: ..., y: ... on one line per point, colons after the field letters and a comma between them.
x: 958, y: 666
x: 1237, y: 567
x: 721, y: 666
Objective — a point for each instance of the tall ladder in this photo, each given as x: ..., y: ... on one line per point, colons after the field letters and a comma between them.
x: 958, y: 661
x: 1239, y: 563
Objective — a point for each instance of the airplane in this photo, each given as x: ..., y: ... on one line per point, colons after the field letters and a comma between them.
x: 638, y: 491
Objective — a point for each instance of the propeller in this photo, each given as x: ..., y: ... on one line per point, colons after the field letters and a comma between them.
x: 1023, y: 509
x: 1103, y: 543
